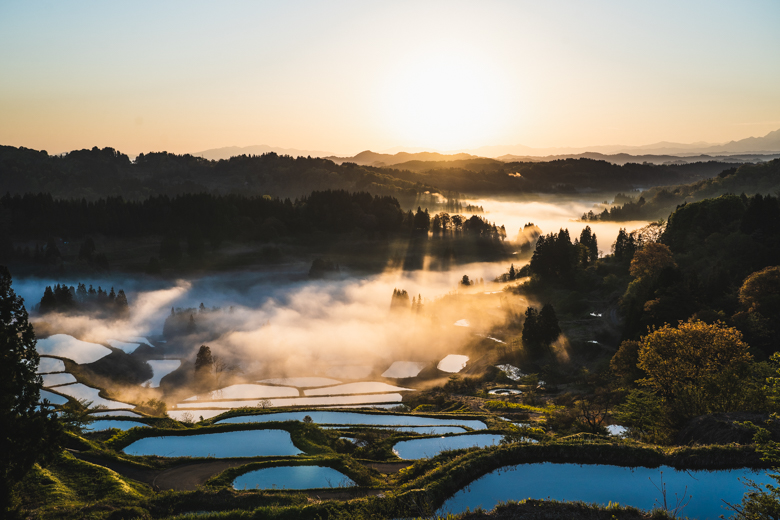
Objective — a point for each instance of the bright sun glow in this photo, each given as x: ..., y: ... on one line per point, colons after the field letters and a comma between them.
x: 446, y: 102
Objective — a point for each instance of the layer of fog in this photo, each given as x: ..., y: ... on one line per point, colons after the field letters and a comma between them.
x: 552, y: 214
x: 276, y: 323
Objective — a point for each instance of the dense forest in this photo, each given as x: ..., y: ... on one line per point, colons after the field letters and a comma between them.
x: 96, y: 173
x: 100, y: 173
x: 481, y: 176
x: 660, y: 201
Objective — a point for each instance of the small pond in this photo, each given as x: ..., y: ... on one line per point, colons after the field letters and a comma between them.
x: 293, y: 477
x: 325, y: 417
x: 247, y: 443
x: 602, y: 484
x: 427, y: 448
x: 504, y: 391
x: 101, y: 425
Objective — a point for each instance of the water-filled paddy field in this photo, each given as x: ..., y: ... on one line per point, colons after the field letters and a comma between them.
x: 246, y: 443
x: 422, y: 430
x: 293, y: 477
x: 427, y: 448
x: 161, y: 368
x: 326, y: 417
x: 106, y: 424
x: 603, y: 484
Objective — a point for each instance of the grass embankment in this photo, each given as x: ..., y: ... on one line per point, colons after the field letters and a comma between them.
x: 555, y: 510
x: 506, y: 406
x: 72, y: 487
x: 75, y: 489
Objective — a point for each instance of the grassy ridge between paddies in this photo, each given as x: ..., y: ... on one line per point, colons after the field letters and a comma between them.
x: 70, y: 483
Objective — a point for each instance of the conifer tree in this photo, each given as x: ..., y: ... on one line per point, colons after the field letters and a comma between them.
x: 31, y: 432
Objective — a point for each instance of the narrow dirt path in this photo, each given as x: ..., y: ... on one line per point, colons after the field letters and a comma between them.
x: 180, y: 478
x: 190, y: 476
x: 388, y: 467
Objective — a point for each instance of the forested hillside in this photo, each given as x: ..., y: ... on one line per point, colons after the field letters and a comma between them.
x: 96, y: 173
x: 660, y: 201
x: 486, y: 176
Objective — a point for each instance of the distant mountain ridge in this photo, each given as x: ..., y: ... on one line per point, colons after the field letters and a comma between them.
x: 749, y: 149
x: 369, y: 158
x: 215, y: 154
x: 768, y: 144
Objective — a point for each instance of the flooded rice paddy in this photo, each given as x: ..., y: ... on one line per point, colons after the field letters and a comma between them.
x: 363, y: 387
x: 603, y: 484
x: 81, y: 391
x: 62, y: 345
x: 127, y: 348
x: 160, y: 369
x: 117, y: 413
x: 53, y: 398
x: 427, y: 448
x: 48, y: 365
x: 293, y: 477
x: 403, y: 369
x: 354, y: 418
x: 453, y: 363
x: 247, y: 391
x: 247, y: 443
x: 101, y: 425
x: 422, y: 430
x: 58, y: 379
x: 295, y: 401
x: 302, y: 382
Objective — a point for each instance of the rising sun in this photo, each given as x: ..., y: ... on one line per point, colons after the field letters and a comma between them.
x: 446, y: 102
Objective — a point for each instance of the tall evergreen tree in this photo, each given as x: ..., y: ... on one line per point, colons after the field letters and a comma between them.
x: 30, y: 432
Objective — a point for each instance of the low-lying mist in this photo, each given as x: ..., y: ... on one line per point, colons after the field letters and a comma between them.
x: 552, y: 213
x: 279, y: 323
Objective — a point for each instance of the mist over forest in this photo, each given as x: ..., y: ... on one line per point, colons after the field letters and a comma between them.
x: 570, y: 304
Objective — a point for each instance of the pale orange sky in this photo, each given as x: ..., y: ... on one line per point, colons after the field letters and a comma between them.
x: 348, y: 76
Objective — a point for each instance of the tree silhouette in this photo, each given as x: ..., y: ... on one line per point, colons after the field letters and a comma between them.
x: 31, y: 432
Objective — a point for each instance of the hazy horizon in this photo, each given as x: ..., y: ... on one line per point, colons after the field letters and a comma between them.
x: 348, y: 76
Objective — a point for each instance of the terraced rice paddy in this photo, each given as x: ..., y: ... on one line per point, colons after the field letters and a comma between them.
x: 247, y: 443
x: 603, y: 484
x: 62, y: 345
x: 427, y: 448
x: 293, y: 477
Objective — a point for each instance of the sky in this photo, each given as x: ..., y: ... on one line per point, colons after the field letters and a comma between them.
x: 347, y: 76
